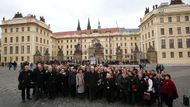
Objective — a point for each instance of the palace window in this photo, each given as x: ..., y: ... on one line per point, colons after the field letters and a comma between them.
x: 17, y: 29
x: 36, y: 29
x: 178, y: 30
x: 163, y: 54
x: 188, y: 42
x: 187, y: 30
x: 36, y: 39
x: 28, y: 38
x: 5, y: 50
x: 11, y: 30
x: 28, y: 58
x: 16, y: 39
x: 178, y: 18
x: 163, y: 43
x: 169, y: 19
x: 172, y: 54
x: 152, y: 33
x: 5, y: 30
x: 28, y: 49
x: 40, y: 40
x: 162, y: 31
x: 188, y: 53
x: 22, y: 58
x: 22, y: 29
x: 186, y: 18
x: 125, y: 51
x: 11, y: 39
x: 180, y: 54
x: 16, y: 50
x: 22, y: 49
x: 22, y: 38
x: 171, y: 43
x: 180, y: 45
x: 11, y: 49
x: 28, y: 28
x: 170, y: 31
x: 161, y: 20
x: 16, y: 58
x: 5, y: 40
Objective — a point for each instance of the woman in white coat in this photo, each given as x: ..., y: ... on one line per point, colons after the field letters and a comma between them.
x: 80, y: 82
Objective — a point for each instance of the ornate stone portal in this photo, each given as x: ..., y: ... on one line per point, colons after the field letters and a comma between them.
x: 118, y: 53
x: 96, y: 50
x: 152, y: 55
x: 78, y: 53
x: 60, y: 55
x: 37, y: 56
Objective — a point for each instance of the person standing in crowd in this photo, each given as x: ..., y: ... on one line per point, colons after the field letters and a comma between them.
x: 132, y: 85
x: 10, y: 65
x: 64, y: 83
x: 149, y: 89
x: 123, y: 84
x: 93, y: 79
x: 86, y: 80
x: 141, y: 87
x: 110, y: 87
x: 14, y: 65
x: 39, y: 80
x: 72, y: 81
x: 80, y: 83
x: 158, y: 88
x: 51, y: 82
x: 24, y: 81
x: 169, y: 91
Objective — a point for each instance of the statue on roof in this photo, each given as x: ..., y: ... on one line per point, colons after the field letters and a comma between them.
x: 174, y: 2
x: 18, y: 15
x: 146, y: 11
x: 42, y: 19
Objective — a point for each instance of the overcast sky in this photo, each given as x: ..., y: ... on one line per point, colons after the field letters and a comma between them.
x: 63, y: 15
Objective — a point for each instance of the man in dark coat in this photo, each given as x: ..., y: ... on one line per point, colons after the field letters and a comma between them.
x: 72, y: 82
x: 93, y: 79
x: 64, y: 82
x: 51, y: 82
x: 86, y: 80
x: 132, y: 88
x: 24, y: 81
x: 110, y: 87
x: 39, y: 80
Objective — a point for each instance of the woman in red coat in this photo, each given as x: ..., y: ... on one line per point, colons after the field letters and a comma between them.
x: 169, y: 91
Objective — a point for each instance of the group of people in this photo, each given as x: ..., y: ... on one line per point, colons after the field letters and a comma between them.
x: 10, y: 65
x: 129, y: 85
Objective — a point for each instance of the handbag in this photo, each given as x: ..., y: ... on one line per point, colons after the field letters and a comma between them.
x: 146, y: 96
x: 19, y: 86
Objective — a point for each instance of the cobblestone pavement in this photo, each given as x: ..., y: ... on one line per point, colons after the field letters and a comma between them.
x: 10, y: 95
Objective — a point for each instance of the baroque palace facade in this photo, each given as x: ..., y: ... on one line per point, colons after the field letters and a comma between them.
x: 163, y: 37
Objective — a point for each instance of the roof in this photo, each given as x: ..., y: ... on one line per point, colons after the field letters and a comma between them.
x: 129, y: 30
x: 103, y: 30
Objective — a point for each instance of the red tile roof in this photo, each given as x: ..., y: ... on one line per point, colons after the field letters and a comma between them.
x: 104, y: 30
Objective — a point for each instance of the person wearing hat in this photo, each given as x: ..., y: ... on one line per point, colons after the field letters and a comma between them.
x: 169, y: 91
